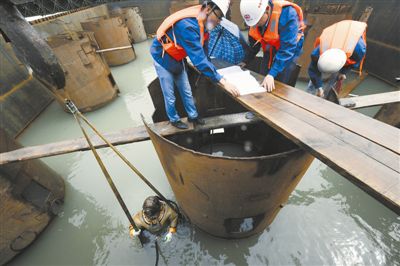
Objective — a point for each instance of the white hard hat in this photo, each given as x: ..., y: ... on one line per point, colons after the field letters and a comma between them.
x: 252, y: 10
x: 332, y: 60
x: 223, y: 5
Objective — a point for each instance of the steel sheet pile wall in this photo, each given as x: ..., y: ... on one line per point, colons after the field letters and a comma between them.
x: 134, y: 21
x: 110, y: 33
x: 70, y: 21
x: 153, y: 11
x: 89, y: 81
x: 22, y: 97
x: 31, y: 194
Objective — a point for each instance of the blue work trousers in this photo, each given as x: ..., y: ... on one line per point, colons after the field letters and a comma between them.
x: 168, y: 82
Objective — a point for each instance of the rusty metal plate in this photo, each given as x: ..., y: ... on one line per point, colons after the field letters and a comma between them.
x: 230, y: 197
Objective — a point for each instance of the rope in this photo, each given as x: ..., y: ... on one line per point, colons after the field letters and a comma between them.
x: 126, y: 161
x: 76, y: 113
x: 157, y: 252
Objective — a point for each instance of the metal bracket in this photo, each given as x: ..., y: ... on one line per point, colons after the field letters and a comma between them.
x: 71, y: 106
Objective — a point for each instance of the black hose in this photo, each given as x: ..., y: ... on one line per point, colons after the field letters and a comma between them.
x: 157, y: 252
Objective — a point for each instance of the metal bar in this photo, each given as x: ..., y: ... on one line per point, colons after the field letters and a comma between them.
x: 131, y: 135
x: 114, y: 49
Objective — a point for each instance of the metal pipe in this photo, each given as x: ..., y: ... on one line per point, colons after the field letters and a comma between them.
x: 114, y: 49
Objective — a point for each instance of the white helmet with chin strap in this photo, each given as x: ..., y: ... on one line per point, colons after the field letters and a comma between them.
x: 253, y: 10
x: 223, y: 5
x: 331, y: 61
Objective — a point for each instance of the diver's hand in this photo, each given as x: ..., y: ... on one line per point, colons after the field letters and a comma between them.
x: 133, y: 233
x: 268, y: 83
x: 230, y: 87
x: 168, y: 237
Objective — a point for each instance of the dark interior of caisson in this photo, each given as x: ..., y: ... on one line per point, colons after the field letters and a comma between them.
x: 246, y: 140
x: 252, y: 138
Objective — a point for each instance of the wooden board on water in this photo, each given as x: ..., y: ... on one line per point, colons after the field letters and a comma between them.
x: 125, y: 136
x: 371, y: 100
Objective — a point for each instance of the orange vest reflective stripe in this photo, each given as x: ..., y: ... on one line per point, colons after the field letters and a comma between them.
x: 343, y: 35
x: 170, y: 46
x: 271, y: 35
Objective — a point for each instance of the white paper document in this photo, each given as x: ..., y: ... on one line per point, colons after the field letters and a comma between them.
x: 243, y: 80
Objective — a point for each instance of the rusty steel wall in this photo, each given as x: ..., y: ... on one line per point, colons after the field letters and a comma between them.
x: 22, y: 97
x: 71, y: 21
x: 153, y: 11
x: 231, y: 197
x: 110, y: 33
x: 31, y: 194
x: 134, y: 21
x: 89, y: 81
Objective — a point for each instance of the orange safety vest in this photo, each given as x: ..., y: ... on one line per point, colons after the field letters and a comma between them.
x: 271, y: 35
x: 171, y: 47
x: 343, y: 35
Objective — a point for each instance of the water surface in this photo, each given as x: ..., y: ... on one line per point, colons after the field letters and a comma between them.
x: 326, y: 221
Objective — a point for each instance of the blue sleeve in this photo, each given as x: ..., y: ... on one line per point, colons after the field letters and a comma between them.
x: 313, y: 71
x: 189, y: 37
x: 288, y: 31
x: 359, y: 52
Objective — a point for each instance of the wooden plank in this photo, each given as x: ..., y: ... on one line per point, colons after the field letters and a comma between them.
x: 376, y: 131
x: 351, y: 150
x: 371, y: 100
x: 387, y: 136
x: 125, y: 136
x: 370, y: 175
x: 357, y: 142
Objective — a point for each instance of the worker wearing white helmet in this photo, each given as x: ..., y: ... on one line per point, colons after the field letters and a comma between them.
x: 340, y: 47
x: 277, y: 28
x: 183, y: 34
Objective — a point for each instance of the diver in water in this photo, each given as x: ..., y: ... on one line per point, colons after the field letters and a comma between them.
x: 155, y: 216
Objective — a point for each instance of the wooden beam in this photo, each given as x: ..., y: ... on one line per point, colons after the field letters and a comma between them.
x: 125, y: 136
x: 362, y: 168
x: 371, y: 100
x: 363, y: 150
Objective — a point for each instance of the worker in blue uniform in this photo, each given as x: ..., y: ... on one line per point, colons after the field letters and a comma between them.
x: 185, y: 33
x: 276, y: 27
x: 227, y: 43
x: 340, y: 48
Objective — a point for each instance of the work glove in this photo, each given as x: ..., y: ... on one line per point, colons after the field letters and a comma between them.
x: 268, y: 83
x: 168, y: 237
x: 133, y: 233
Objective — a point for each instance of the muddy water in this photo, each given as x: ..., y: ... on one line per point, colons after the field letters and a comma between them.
x: 327, y: 220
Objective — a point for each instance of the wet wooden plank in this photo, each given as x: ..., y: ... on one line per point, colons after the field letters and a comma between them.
x: 371, y: 100
x: 341, y: 138
x: 357, y: 142
x: 374, y: 130
x: 371, y: 129
x: 363, y: 170
x: 125, y: 136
